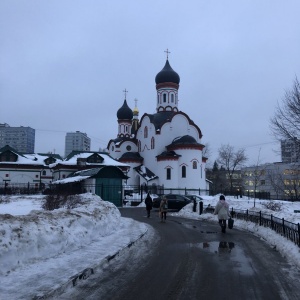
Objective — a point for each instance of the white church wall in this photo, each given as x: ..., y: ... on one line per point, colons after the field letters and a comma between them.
x: 195, y: 178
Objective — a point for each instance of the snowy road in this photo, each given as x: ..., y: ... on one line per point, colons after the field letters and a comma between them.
x: 191, y: 259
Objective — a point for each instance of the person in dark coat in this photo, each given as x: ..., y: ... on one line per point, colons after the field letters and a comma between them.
x: 149, y: 203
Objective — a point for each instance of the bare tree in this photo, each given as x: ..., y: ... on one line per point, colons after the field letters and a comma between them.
x: 206, y: 152
x: 285, y: 124
x: 230, y: 160
x: 259, y: 172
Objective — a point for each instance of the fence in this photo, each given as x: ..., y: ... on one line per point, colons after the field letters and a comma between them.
x: 285, y: 228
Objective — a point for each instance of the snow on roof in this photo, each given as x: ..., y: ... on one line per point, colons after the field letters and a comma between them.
x: 70, y: 179
x: 107, y: 160
x: 30, y: 159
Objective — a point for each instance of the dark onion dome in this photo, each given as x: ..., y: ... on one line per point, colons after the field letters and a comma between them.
x: 125, y: 113
x: 167, y: 74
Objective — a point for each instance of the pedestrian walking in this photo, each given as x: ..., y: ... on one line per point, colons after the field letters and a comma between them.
x: 222, y: 210
x: 149, y: 204
x: 163, y: 208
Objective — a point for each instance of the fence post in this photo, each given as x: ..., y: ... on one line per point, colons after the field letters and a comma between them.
x: 272, y: 222
x: 142, y: 190
x: 283, y: 227
x: 200, y: 207
x: 298, y: 234
x: 260, y: 218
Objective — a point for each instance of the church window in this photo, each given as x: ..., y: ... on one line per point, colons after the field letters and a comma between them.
x: 165, y: 97
x: 128, y: 148
x: 152, y: 143
x: 172, y: 98
x: 145, y: 132
x: 157, y: 99
x: 183, y: 172
x: 194, y: 164
x: 168, y: 173
x: 139, y: 146
x: 44, y: 172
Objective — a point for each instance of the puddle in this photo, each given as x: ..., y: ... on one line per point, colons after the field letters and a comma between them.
x: 241, y: 262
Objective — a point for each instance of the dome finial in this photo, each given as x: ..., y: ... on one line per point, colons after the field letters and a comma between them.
x: 125, y: 93
x: 167, y: 51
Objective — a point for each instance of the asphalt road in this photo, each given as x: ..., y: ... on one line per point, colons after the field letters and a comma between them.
x: 190, y: 259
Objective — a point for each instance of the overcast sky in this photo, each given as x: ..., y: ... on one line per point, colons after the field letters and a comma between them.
x: 65, y: 64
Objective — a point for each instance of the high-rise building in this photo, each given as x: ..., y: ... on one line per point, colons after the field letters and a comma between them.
x: 290, y: 151
x: 78, y: 141
x: 20, y: 138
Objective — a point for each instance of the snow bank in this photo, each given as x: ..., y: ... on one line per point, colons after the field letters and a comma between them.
x: 39, y: 235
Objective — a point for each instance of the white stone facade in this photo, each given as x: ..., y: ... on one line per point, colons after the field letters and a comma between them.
x: 167, y: 143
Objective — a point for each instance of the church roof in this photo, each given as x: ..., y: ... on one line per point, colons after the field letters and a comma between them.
x: 145, y: 173
x: 124, y: 113
x: 131, y: 156
x: 160, y: 118
x: 167, y: 74
x: 186, y: 139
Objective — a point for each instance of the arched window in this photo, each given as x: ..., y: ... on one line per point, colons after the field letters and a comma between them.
x: 157, y: 99
x: 139, y: 146
x: 152, y: 143
x: 145, y: 132
x: 172, y: 98
x: 168, y: 173
x: 165, y: 97
x: 194, y: 164
x: 183, y: 172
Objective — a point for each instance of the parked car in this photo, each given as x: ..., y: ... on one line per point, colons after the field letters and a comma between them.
x: 174, y: 201
x: 194, y: 197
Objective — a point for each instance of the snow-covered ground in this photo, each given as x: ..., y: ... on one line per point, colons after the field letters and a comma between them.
x: 45, y: 247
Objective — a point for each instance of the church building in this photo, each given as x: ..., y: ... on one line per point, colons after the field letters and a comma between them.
x: 164, y: 148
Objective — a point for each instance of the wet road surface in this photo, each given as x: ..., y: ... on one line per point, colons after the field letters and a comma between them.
x: 189, y: 259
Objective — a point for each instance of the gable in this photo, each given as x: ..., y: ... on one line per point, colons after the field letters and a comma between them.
x: 95, y: 159
x: 8, y: 156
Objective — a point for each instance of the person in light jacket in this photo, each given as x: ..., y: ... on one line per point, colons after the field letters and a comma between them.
x: 222, y: 210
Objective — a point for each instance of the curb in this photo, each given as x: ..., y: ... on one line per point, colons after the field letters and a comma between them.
x: 86, y: 273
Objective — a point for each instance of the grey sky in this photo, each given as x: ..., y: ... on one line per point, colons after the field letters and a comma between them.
x: 64, y: 66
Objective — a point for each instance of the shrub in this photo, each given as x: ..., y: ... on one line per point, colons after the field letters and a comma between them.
x: 55, y: 201
x: 275, y: 206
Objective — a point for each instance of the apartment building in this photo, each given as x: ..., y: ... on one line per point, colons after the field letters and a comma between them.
x: 278, y: 180
x: 77, y: 141
x: 20, y: 138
